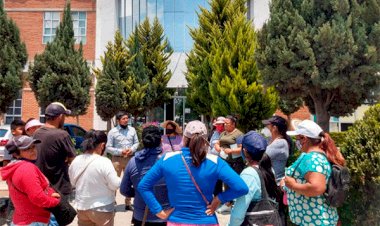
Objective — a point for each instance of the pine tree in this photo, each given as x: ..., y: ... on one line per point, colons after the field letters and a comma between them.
x: 325, y: 52
x: 236, y: 83
x: 13, y: 57
x: 109, y: 92
x: 199, y: 71
x: 61, y: 73
x: 155, y: 52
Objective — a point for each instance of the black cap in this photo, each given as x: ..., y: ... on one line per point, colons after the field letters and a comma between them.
x: 56, y: 109
x: 275, y: 120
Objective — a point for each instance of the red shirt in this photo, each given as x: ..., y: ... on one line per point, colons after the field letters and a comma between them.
x: 30, y: 192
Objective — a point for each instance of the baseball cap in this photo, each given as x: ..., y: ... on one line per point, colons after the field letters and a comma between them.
x: 23, y: 142
x: 11, y: 146
x: 195, y: 127
x: 275, y: 120
x: 32, y: 123
x: 55, y: 109
x: 307, y: 128
x: 219, y: 120
x: 254, y: 144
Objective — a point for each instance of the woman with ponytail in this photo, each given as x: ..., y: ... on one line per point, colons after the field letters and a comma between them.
x: 253, y: 149
x: 306, y: 179
x: 190, y: 176
x: 96, y: 182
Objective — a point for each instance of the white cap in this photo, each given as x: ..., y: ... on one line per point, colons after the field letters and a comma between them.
x: 32, y: 123
x: 307, y: 128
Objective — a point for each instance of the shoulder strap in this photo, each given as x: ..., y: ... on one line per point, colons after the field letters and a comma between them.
x: 194, y: 182
x: 170, y: 142
x: 294, y: 171
x: 264, y: 193
x: 81, y: 173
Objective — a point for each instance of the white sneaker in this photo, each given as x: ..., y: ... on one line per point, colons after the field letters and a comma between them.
x: 224, y: 209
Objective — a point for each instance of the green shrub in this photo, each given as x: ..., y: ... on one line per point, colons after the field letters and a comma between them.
x: 338, y: 137
x: 361, y: 149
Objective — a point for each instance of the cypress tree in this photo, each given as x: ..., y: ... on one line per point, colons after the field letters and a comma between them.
x: 13, y: 57
x: 235, y: 82
x: 61, y: 73
x: 155, y: 52
x: 199, y: 71
x: 109, y: 92
x: 325, y: 52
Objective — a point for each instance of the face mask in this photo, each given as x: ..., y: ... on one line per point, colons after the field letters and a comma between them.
x: 298, y: 144
x: 123, y: 126
x: 219, y: 128
x: 169, y: 131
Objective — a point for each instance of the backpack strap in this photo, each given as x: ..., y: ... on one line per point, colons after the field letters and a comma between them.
x: 264, y: 193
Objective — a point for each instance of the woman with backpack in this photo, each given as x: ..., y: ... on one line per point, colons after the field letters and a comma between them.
x: 306, y: 179
x: 253, y: 149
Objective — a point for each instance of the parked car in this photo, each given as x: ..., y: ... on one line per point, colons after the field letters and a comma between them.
x: 5, y: 135
x: 76, y: 132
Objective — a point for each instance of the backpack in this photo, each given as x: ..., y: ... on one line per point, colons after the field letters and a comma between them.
x: 337, y: 185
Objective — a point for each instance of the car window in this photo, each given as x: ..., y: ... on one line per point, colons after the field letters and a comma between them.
x: 3, y: 132
x: 78, y: 132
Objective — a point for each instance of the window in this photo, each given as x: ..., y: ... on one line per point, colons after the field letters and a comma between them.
x: 80, y: 27
x: 51, y: 22
x: 42, y: 115
x: 14, y: 110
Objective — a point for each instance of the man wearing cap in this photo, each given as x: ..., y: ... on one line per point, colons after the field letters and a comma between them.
x: 122, y: 143
x: 56, y: 149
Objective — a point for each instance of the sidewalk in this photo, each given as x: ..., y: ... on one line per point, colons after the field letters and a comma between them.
x: 122, y: 217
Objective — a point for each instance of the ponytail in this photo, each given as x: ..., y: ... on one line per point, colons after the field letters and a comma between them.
x: 198, y: 148
x: 333, y: 154
x: 92, y: 139
x: 265, y: 166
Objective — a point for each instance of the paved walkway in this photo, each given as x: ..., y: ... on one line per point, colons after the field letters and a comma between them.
x: 122, y: 217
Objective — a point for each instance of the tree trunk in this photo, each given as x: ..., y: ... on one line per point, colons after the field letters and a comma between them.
x: 289, y: 122
x: 1, y: 118
x: 109, y: 125
x: 323, y: 116
x: 77, y: 118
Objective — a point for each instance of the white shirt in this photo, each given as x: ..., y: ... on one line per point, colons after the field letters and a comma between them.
x: 96, y: 186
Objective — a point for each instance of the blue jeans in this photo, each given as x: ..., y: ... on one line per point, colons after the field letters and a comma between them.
x: 33, y: 224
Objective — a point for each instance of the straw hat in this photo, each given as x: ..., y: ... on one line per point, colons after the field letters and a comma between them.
x: 178, y: 129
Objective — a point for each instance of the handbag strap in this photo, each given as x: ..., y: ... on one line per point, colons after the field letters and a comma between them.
x: 145, y: 217
x: 170, y: 142
x: 194, y: 182
x: 297, y: 166
x: 94, y: 156
x: 264, y: 193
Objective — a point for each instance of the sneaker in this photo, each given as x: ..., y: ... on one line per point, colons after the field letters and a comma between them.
x: 129, y: 208
x: 224, y: 209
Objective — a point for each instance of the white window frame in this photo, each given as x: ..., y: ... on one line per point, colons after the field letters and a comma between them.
x: 77, y: 28
x: 8, y: 118
x: 53, y: 20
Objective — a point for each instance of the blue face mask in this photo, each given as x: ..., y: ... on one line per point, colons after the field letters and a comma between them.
x: 298, y: 144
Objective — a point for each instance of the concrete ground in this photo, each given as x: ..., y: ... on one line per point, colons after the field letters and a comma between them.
x: 122, y: 217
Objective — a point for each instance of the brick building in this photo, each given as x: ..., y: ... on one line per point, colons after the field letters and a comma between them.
x: 37, y: 21
x: 95, y: 22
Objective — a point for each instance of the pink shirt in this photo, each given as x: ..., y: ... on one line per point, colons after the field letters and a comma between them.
x: 176, y: 143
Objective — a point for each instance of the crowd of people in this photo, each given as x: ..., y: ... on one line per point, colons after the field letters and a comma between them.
x: 180, y: 177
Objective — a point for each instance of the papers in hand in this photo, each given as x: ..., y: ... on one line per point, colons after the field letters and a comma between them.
x: 234, y: 146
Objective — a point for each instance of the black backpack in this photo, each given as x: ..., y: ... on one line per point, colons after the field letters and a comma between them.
x: 338, y: 185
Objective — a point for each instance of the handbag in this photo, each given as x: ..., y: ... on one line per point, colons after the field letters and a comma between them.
x: 263, y: 212
x: 64, y: 213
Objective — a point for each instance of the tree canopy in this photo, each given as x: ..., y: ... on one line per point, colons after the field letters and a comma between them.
x: 61, y: 73
x: 13, y: 57
x: 325, y: 52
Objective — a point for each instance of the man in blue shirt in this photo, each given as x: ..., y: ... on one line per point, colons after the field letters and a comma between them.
x: 122, y: 143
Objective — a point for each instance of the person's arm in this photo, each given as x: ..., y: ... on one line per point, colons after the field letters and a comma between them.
x: 68, y: 145
x: 315, y: 184
x: 113, y: 181
x: 30, y: 184
x: 109, y: 146
x: 146, y: 185
x: 237, y: 187
x: 242, y: 203
x: 126, y: 186
x: 135, y: 144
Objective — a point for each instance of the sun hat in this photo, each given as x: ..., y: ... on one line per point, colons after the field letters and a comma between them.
x: 219, y: 120
x: 254, y: 144
x: 195, y: 127
x: 56, y: 109
x: 32, y: 123
x: 178, y: 129
x: 307, y: 128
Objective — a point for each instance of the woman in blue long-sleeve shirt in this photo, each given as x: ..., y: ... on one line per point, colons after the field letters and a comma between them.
x: 188, y: 206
